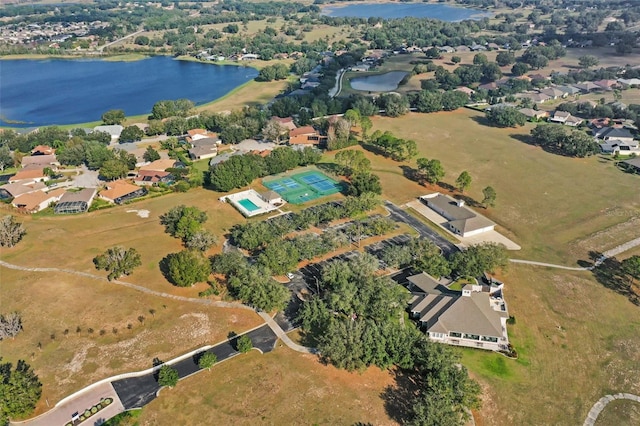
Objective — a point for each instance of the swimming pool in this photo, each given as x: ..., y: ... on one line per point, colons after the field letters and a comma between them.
x: 248, y: 204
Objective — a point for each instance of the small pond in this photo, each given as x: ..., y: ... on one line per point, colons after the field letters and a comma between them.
x: 378, y: 83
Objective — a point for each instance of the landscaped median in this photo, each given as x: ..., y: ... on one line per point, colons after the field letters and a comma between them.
x: 89, y: 412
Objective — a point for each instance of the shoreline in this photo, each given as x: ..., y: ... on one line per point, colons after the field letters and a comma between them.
x: 326, y: 9
x: 144, y: 117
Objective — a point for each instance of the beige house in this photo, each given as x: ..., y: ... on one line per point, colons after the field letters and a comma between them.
x: 33, y: 202
x: 474, y: 317
x: 461, y: 220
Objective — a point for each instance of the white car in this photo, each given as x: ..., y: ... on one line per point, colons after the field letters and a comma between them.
x: 290, y: 275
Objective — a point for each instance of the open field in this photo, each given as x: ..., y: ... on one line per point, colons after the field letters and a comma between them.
x: 281, y: 387
x: 577, y: 341
x: 545, y: 201
x: 51, y: 303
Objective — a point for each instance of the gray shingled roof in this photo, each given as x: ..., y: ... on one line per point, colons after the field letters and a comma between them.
x: 460, y: 217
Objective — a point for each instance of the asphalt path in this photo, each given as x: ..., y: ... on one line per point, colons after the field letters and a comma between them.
x: 400, y: 215
x: 136, y: 392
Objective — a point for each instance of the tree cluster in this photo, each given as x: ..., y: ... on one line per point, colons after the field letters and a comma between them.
x: 241, y: 170
x: 395, y: 148
x: 574, y: 143
x: 20, y: 390
x: 273, y: 72
x: 506, y: 116
x: 186, y: 223
x: 168, y: 108
x: 256, y: 235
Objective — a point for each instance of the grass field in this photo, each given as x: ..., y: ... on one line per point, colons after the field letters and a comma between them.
x: 51, y: 303
x: 281, y: 387
x: 545, y: 202
x: 620, y: 413
x: 577, y: 342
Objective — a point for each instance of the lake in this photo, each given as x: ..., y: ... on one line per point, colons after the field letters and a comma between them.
x: 378, y: 83
x: 442, y: 12
x: 68, y: 91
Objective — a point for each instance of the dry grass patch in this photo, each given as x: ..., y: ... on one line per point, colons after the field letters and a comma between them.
x: 545, y: 201
x: 281, y: 387
x: 72, y: 241
x: 620, y: 413
x: 577, y: 342
x: 51, y: 303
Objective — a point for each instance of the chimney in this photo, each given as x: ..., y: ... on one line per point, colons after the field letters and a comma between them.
x: 460, y: 203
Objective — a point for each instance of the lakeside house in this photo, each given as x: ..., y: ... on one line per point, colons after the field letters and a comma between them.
x: 286, y: 122
x: 114, y: 130
x: 475, y: 316
x: 461, y: 220
x: 42, y: 161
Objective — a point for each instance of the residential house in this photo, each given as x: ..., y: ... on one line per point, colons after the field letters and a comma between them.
x: 29, y: 174
x: 460, y: 219
x: 618, y: 147
x: 219, y: 159
x: 203, y: 151
x: 305, y: 135
x: 537, y: 98
x: 40, y: 161
x: 629, y: 82
x: 12, y: 190
x: 114, y: 130
x: 33, y: 202
x: 553, y: 93
x: 446, y: 49
x: 477, y: 48
x: 569, y: 90
x: 633, y: 164
x: 75, y: 202
x: 607, y: 85
x: 153, y: 177
x: 474, y: 317
x: 197, y: 134
x: 360, y: 68
x: 613, y: 133
x: 588, y: 87
x: 120, y: 191
x: 249, y: 57
x: 537, y: 77
x: 565, y: 117
x: 493, y: 46
x: 599, y: 123
x: 161, y: 165
x: 618, y: 105
x: 533, y: 114
x: 286, y: 122
x: 43, y: 150
x: 465, y: 89
x: 462, y: 48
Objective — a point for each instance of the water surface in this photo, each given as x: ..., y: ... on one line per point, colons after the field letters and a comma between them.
x: 378, y: 83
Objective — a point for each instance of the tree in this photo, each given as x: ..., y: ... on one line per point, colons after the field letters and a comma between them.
x: 11, y: 232
x: 519, y: 68
x: 200, y: 240
x: 463, y: 181
x: 150, y: 154
x: 114, y: 169
x: 352, y: 162
x: 588, y: 61
x: 182, y: 221
x: 480, y: 59
x: 207, y: 360
x: 131, y: 134
x: 20, y: 390
x: 489, y: 197
x: 273, y: 131
x: 168, y: 376
x: 156, y: 127
x: 505, y: 58
x: 456, y: 59
x: 244, y: 344
x: 631, y: 266
x: 118, y: 261
x: 364, y: 182
x: 431, y: 170
x: 6, y: 159
x: 280, y: 258
x: 480, y: 258
x: 432, y: 53
x: 255, y: 286
x: 506, y: 117
x: 113, y: 116
x: 187, y: 267
x: 10, y: 325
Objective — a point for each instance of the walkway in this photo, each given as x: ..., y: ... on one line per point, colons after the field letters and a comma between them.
x: 550, y: 265
x: 335, y: 90
x: 602, y: 403
x: 101, y: 48
x: 283, y: 336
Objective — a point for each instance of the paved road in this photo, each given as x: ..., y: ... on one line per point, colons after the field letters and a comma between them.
x: 136, y: 392
x: 602, y: 403
x: 62, y: 413
x: 400, y: 215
